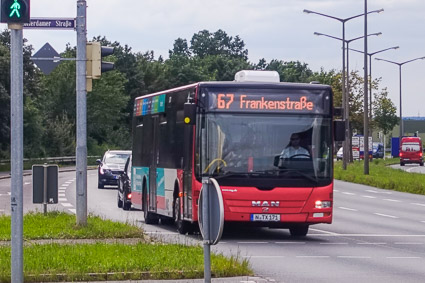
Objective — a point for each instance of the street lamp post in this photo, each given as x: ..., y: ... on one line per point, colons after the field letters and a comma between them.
x: 346, y: 101
x: 399, y: 68
x: 344, y: 98
x: 370, y: 71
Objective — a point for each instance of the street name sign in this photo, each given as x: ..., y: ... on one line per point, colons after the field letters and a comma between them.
x: 51, y: 23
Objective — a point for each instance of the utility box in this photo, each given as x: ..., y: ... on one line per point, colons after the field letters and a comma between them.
x: 395, y: 147
x: 45, y: 184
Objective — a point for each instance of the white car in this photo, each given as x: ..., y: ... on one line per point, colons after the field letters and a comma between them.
x: 339, y: 154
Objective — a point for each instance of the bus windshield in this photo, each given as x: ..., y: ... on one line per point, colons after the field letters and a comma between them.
x: 278, y: 147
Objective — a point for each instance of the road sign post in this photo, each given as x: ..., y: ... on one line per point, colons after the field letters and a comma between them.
x: 45, y: 184
x: 17, y: 152
x: 210, y: 219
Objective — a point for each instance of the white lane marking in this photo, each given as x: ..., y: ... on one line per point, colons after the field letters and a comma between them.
x: 323, y: 231
x: 265, y: 256
x: 376, y: 192
x: 61, y: 195
x: 66, y: 204
x: 312, y: 256
x: 423, y: 221
x: 378, y: 243
x: 336, y: 191
x: 27, y: 183
x: 353, y: 256
x: 62, y: 199
x: 408, y: 243
x: 420, y: 204
x: 333, y: 243
x: 366, y: 235
x: 1, y: 210
x: 403, y: 257
x: 290, y: 243
x: 73, y: 210
x: 386, y: 215
x: 347, y: 193
x: 9, y: 193
x: 68, y: 182
x: 65, y: 185
x: 346, y: 208
x: 252, y: 242
x: 368, y: 197
x: 393, y: 200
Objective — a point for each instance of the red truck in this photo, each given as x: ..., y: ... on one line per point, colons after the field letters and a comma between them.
x: 411, y: 151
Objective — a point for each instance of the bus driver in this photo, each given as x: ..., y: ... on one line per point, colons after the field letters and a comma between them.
x: 294, y: 149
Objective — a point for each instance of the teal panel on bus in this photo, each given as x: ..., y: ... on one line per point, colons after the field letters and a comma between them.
x: 160, y: 182
x: 149, y: 105
x: 137, y: 178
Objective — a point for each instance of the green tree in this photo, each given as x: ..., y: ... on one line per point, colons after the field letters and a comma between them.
x: 385, y: 117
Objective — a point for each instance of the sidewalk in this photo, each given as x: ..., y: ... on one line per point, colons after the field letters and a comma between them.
x: 240, y: 279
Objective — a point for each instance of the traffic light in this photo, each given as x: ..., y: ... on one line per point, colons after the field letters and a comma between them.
x: 94, y: 66
x: 15, y: 11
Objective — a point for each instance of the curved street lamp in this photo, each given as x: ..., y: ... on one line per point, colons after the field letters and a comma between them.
x: 370, y: 71
x: 399, y: 67
x: 344, y: 98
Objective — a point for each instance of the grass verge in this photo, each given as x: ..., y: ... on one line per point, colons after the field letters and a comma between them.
x: 382, y: 176
x: 99, y: 260
x: 57, y: 225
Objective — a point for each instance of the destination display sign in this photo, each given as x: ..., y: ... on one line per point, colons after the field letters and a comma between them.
x: 259, y: 101
x: 51, y: 23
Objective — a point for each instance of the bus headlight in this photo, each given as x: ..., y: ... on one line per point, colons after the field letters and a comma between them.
x: 323, y: 204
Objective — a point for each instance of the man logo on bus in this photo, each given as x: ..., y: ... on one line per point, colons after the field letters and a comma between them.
x: 264, y: 203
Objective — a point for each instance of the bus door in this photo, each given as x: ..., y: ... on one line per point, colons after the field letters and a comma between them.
x: 187, y: 171
x: 153, y: 165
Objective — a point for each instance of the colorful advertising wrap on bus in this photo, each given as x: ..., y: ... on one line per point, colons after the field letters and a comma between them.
x: 149, y: 105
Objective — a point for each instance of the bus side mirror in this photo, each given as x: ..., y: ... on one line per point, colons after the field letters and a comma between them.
x: 189, y: 113
x: 339, y: 130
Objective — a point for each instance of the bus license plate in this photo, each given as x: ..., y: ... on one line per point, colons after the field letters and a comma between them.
x: 265, y: 217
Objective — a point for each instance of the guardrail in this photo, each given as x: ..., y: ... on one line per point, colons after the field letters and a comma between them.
x: 64, y: 159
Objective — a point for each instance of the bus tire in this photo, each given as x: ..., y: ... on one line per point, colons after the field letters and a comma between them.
x: 182, y: 226
x: 299, y: 230
x: 150, y: 218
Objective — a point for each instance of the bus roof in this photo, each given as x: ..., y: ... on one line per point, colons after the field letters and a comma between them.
x: 276, y: 85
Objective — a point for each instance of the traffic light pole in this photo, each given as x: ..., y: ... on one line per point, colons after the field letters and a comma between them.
x: 81, y: 150
x: 17, y: 152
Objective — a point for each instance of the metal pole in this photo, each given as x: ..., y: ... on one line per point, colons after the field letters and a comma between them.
x: 370, y: 86
x: 206, y: 228
x: 366, y: 120
x: 45, y: 189
x: 81, y: 150
x: 347, y: 107
x: 17, y: 153
x: 401, y: 112
x: 344, y: 104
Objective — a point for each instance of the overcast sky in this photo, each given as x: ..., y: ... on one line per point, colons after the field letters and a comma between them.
x: 271, y: 29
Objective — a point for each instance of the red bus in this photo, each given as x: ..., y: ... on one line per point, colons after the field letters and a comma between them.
x: 240, y: 133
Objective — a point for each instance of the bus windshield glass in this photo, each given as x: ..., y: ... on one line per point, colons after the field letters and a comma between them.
x: 289, y: 149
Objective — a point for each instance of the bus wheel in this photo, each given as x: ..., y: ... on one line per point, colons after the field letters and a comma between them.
x: 299, y: 231
x: 150, y: 218
x: 182, y: 226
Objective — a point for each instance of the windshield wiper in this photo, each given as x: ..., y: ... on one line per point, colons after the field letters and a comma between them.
x: 286, y: 170
x: 235, y: 173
